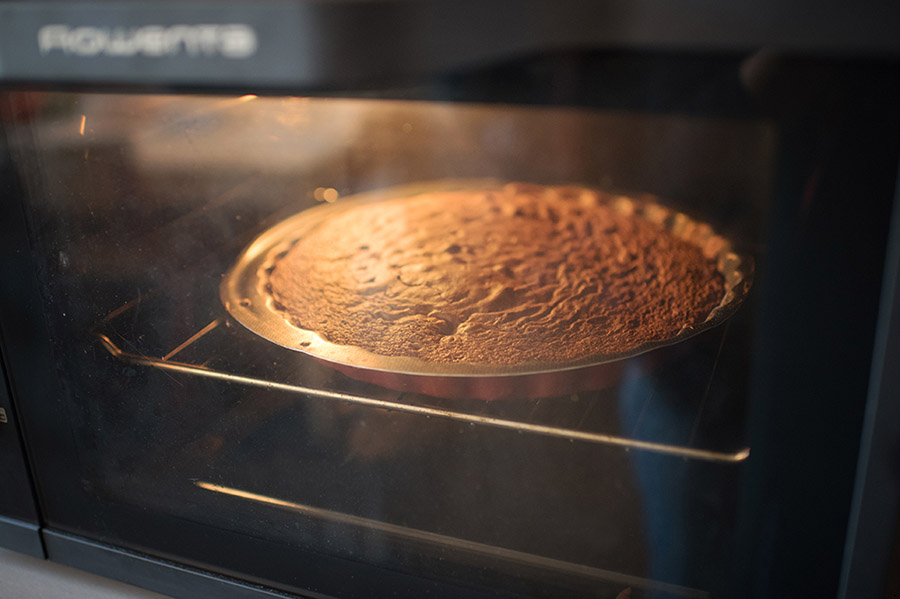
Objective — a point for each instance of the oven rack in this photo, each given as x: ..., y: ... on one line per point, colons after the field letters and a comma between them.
x: 590, y: 417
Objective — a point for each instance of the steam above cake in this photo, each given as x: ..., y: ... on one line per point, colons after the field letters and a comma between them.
x: 521, y: 274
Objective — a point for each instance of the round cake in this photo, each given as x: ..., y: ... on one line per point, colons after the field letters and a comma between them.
x: 509, y: 275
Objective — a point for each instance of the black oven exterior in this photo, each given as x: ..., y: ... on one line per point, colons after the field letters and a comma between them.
x: 19, y: 521
x: 812, y: 501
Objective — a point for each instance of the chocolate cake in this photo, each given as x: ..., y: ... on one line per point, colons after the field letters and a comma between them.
x: 520, y: 274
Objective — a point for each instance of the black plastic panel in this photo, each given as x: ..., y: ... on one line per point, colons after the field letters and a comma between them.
x: 184, y: 581
x: 20, y: 536
x: 822, y: 289
x: 18, y: 512
x: 16, y: 500
x: 152, y: 574
x: 17, y: 497
x: 871, y: 555
x: 315, y: 45
x: 19, y: 517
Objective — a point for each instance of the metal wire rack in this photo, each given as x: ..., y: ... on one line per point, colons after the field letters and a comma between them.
x: 590, y: 417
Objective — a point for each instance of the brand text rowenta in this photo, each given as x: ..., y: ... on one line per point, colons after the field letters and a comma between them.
x: 234, y: 41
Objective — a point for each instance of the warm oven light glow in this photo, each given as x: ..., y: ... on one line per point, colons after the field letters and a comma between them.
x: 326, y: 194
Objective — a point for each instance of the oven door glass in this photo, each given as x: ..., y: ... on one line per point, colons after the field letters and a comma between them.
x: 183, y: 427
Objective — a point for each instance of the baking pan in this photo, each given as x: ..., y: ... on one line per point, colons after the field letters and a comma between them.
x: 243, y: 292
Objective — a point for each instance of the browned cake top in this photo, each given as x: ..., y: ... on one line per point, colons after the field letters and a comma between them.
x: 522, y: 274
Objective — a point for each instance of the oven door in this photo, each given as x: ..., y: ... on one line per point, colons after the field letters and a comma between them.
x: 176, y: 444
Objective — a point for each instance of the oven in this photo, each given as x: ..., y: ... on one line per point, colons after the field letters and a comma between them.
x: 239, y: 240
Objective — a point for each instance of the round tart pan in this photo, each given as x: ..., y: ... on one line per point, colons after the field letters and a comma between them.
x: 246, y: 299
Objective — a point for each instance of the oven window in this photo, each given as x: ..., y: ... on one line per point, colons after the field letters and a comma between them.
x: 578, y: 476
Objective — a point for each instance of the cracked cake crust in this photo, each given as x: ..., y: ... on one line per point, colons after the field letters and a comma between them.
x: 512, y: 275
